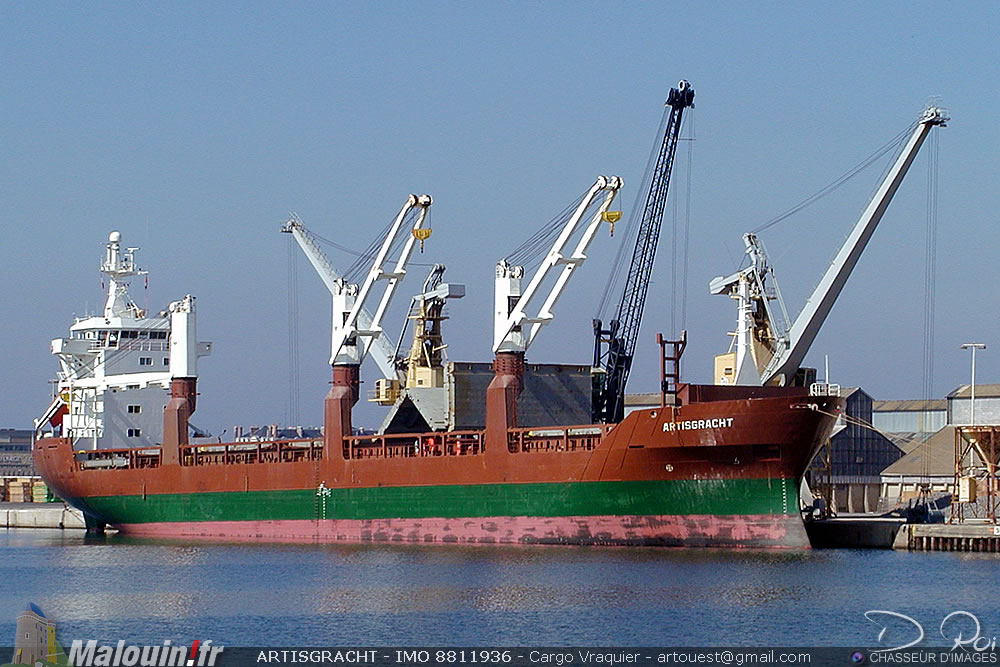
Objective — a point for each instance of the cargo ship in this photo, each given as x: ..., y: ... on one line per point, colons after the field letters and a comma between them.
x: 713, y: 466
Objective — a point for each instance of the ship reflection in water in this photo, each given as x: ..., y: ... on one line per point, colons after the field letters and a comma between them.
x: 328, y: 595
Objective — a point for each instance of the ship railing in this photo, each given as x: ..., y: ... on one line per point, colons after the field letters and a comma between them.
x: 130, y: 345
x: 414, y: 445
x: 259, y: 451
x: 824, y: 389
x: 556, y: 439
x: 98, y: 459
x: 143, y: 345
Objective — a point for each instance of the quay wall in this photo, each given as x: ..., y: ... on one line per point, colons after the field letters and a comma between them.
x: 39, y: 515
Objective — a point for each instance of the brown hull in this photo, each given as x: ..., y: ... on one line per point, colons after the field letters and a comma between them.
x: 720, y: 444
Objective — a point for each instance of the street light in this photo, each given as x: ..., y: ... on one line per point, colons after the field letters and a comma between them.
x: 972, y: 404
x: 972, y: 398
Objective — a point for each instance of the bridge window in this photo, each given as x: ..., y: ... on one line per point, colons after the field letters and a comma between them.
x: 134, y: 409
x: 145, y: 361
x: 134, y: 433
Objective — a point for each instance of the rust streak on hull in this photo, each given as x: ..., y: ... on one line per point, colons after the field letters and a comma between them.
x: 750, y: 531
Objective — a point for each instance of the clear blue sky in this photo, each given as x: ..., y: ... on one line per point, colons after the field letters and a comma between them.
x: 194, y: 128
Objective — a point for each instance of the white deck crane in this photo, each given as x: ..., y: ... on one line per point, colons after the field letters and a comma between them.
x: 768, y: 351
x: 513, y: 328
x: 354, y: 331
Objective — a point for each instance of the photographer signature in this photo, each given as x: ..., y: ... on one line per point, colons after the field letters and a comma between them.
x: 953, y: 628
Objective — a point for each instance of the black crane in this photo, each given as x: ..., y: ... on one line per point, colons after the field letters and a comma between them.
x: 614, y: 346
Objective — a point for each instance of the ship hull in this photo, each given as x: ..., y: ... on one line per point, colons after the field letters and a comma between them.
x: 723, y: 473
x: 722, y: 531
x: 662, y: 513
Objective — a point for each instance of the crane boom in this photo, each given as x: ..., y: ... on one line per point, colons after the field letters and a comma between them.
x: 381, y: 349
x: 513, y: 328
x: 346, y: 334
x: 802, y: 333
x: 344, y: 296
x: 616, y: 362
x: 770, y: 351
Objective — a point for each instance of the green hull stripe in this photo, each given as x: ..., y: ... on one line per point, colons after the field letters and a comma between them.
x: 682, y: 497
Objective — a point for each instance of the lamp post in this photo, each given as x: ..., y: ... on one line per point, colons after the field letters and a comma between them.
x: 972, y: 388
x: 972, y: 400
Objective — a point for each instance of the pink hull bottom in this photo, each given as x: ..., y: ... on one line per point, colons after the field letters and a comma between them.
x: 766, y: 530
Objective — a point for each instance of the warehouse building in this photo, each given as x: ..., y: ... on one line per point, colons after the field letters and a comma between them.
x: 15, y: 453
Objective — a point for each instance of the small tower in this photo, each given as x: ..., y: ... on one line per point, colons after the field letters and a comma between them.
x: 35, y: 640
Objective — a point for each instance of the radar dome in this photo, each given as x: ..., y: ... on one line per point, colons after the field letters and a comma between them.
x: 115, y: 237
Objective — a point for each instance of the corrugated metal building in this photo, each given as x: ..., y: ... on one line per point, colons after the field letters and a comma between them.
x: 930, y: 457
x: 858, y: 455
x: 910, y: 416
x: 635, y: 402
x: 928, y: 462
x: 15, y: 453
x: 987, y: 405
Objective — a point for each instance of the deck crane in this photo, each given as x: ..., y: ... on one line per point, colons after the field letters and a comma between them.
x: 356, y: 332
x: 424, y: 364
x: 381, y: 350
x: 613, y: 363
x: 422, y: 399
x: 513, y: 328
x: 768, y: 350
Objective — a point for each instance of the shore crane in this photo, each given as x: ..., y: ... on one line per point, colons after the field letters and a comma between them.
x: 423, y: 365
x: 514, y: 329
x: 421, y: 400
x: 355, y: 332
x: 769, y: 351
x: 614, y: 346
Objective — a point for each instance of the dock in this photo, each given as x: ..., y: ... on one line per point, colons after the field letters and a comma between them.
x: 40, y: 515
x: 974, y: 537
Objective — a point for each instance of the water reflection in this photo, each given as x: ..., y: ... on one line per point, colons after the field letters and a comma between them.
x: 244, y: 593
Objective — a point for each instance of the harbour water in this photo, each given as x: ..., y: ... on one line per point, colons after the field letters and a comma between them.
x: 146, y: 591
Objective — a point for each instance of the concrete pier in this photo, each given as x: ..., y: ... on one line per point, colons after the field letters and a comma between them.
x: 40, y: 515
x: 975, y: 537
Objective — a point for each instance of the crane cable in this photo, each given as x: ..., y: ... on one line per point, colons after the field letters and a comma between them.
x: 687, y: 218
x: 632, y: 227
x: 539, y: 242
x: 894, y: 143
x: 293, y: 333
x: 682, y: 240
x: 357, y: 270
x: 364, y: 258
x: 930, y: 282
x: 334, y: 244
x: 673, y: 263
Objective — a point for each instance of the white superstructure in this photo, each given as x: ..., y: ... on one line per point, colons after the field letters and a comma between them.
x: 115, y: 368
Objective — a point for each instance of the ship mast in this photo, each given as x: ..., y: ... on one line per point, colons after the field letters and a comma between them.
x: 119, y: 266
